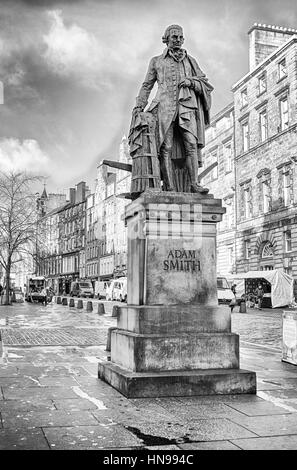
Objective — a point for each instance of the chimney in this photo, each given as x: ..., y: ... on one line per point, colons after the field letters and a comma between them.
x: 265, y: 39
x: 72, y: 195
x: 80, y: 192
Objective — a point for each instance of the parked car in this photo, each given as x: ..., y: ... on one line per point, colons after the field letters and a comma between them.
x: 120, y: 289
x: 82, y: 289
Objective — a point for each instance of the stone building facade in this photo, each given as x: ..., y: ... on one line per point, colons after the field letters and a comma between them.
x: 263, y: 180
x: 219, y: 149
x: 265, y: 110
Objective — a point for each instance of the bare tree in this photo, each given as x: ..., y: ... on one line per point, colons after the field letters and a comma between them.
x: 18, y: 221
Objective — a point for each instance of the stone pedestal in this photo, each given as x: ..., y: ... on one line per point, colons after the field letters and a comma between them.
x: 172, y: 339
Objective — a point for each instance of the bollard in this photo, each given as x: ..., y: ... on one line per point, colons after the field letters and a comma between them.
x: 59, y: 301
x: 89, y: 306
x: 115, y: 311
x: 101, y: 309
x: 80, y: 304
x: 71, y: 303
x: 108, y: 342
x: 64, y: 301
x: 242, y: 307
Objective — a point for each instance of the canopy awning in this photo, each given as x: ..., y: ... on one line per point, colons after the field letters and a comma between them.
x: 281, y: 285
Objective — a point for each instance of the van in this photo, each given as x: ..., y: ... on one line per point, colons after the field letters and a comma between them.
x: 225, y: 294
x: 109, y: 289
x: 100, y: 289
x: 82, y: 289
x: 120, y: 289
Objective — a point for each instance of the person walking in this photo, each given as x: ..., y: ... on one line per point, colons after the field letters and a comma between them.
x: 259, y: 293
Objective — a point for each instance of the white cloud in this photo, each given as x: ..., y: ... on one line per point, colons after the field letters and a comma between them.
x: 71, y: 50
x: 23, y: 155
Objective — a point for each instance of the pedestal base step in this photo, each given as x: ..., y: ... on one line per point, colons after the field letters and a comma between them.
x: 177, y: 383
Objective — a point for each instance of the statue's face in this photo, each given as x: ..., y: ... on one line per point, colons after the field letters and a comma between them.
x: 175, y: 39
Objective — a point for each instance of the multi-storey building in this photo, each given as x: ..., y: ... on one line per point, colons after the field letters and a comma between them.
x: 109, y: 210
x: 62, y: 241
x: 265, y: 110
x: 219, y: 149
x: 264, y: 160
x: 92, y: 242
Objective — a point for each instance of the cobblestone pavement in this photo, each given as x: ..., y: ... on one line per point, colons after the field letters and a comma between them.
x: 51, y: 397
x: 262, y: 327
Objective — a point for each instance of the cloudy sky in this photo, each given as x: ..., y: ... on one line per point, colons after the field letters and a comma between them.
x: 71, y: 71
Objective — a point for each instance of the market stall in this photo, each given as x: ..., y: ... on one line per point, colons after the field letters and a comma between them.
x: 277, y: 286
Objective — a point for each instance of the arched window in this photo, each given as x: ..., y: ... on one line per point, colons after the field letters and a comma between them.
x: 267, y: 250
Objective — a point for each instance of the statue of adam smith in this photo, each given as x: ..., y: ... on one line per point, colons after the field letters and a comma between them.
x: 182, y: 106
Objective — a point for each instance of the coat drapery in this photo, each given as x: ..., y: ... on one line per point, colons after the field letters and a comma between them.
x: 190, y: 105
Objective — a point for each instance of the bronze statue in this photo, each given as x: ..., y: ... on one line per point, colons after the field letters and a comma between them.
x: 169, y: 136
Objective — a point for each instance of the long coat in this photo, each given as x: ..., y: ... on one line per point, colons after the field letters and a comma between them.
x: 191, y: 105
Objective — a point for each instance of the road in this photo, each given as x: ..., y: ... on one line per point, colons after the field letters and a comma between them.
x: 58, y: 324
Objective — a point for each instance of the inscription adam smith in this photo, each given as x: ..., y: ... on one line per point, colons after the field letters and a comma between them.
x: 181, y: 260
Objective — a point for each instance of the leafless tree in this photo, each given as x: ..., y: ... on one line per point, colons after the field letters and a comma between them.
x: 18, y: 221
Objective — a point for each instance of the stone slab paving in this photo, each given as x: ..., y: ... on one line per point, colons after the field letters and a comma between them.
x: 51, y: 398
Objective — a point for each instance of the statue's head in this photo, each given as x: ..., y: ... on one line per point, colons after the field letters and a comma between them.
x: 173, y: 36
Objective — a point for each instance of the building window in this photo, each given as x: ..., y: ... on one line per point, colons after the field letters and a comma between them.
x: 282, y: 69
x: 284, y: 113
x: 244, y: 98
x: 245, y: 136
x: 247, y: 249
x: 266, y: 196
x: 287, y: 188
x: 288, y: 241
x: 214, y: 171
x: 263, y: 125
x: 267, y: 250
x: 262, y: 83
x: 247, y: 203
x: 230, y: 256
x: 228, y: 157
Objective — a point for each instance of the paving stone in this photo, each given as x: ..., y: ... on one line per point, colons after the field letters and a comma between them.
x: 91, y: 437
x: 22, y: 439
x: 8, y: 371
x: 73, y: 404
x: 47, y: 418
x: 59, y: 381
x: 214, y: 445
x: 177, y: 433
x: 19, y: 382
x: 259, y: 409
x: 240, y: 398
x: 26, y: 405
x: 270, y: 425
x: 202, y: 411
x: 288, y: 442
x: 38, y: 393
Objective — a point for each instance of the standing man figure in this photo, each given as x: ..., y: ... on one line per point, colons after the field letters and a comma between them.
x: 181, y: 107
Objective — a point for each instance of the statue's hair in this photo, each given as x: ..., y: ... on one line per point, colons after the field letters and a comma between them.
x: 168, y: 29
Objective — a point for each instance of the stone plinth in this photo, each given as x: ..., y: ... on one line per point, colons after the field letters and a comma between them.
x: 172, y: 339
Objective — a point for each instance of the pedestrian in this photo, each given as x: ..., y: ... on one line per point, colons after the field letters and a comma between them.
x: 232, y: 304
x: 259, y: 293
x: 44, y: 293
x: 233, y: 288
